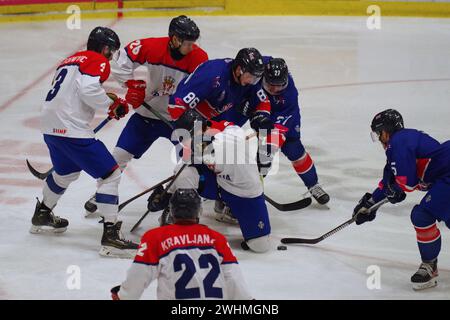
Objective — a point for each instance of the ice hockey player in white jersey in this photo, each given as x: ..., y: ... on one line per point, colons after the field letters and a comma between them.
x: 66, y: 115
x: 227, y: 170
x: 167, y: 60
x: 189, y: 260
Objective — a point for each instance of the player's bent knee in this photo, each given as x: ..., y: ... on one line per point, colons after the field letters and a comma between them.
x: 64, y: 180
x: 113, y: 178
x: 122, y: 157
x: 260, y: 244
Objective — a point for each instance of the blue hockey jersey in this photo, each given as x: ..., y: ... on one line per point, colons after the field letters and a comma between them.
x: 415, y: 160
x: 212, y: 90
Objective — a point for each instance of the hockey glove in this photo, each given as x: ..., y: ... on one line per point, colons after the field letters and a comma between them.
x: 261, y: 120
x: 118, y: 109
x: 136, y: 92
x: 188, y: 119
x: 394, y: 193
x: 157, y: 201
x: 361, y: 211
x: 115, y: 293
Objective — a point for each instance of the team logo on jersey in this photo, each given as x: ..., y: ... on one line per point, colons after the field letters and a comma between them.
x: 279, y: 100
x: 59, y: 131
x: 225, y: 107
x: 168, y: 85
x: 225, y: 176
x: 261, y: 225
x: 216, y: 82
x: 428, y: 198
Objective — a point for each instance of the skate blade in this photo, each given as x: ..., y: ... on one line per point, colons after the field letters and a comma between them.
x: 46, y: 230
x: 108, y: 251
x: 426, y: 285
x: 226, y: 219
x: 90, y: 215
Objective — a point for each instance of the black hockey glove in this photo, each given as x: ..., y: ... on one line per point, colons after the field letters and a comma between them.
x: 261, y: 121
x: 394, y: 193
x: 157, y: 201
x: 361, y: 210
x: 187, y: 120
x: 115, y: 293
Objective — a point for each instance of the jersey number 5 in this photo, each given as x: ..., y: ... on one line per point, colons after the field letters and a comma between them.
x: 205, y: 260
x: 57, y: 85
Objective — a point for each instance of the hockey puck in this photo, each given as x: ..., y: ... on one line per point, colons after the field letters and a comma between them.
x: 244, y: 246
x: 281, y: 247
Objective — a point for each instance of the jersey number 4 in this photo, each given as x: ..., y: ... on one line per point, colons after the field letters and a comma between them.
x: 57, y: 85
x: 205, y: 260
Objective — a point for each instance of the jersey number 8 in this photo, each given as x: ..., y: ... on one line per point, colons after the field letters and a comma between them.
x: 205, y: 260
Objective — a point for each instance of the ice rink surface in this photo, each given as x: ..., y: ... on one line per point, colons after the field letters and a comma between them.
x: 346, y: 74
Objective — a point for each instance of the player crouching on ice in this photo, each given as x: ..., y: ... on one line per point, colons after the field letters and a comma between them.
x: 66, y: 114
x: 226, y: 170
x: 181, y: 253
x: 415, y: 161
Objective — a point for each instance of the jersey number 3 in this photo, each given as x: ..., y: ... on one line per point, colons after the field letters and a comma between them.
x: 57, y: 85
x: 205, y: 260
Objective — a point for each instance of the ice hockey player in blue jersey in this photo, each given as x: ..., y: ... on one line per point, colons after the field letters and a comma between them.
x: 415, y: 161
x: 220, y: 85
x: 280, y: 88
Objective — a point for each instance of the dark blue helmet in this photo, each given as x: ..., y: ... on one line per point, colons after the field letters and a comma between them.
x: 389, y: 120
x: 102, y: 36
x: 276, y: 72
x: 184, y: 28
x: 185, y: 204
x: 250, y: 60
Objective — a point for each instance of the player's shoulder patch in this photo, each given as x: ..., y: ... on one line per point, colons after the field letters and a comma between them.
x: 150, y: 50
x: 96, y: 65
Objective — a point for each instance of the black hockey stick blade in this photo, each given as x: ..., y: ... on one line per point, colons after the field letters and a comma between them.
x: 317, y: 240
x: 37, y: 174
x: 297, y: 205
x: 330, y: 233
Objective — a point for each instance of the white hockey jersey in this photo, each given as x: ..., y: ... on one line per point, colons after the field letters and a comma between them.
x: 164, y: 73
x: 76, y: 94
x: 189, y: 261
x: 232, y: 157
x: 234, y: 162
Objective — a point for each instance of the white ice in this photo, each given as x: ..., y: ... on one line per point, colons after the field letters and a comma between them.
x: 346, y: 74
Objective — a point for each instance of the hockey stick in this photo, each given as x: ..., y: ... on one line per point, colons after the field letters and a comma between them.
x: 122, y: 205
x: 162, y: 195
x: 44, y: 175
x: 330, y: 233
x: 297, y: 205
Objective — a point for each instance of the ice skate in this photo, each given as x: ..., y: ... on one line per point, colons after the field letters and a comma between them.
x: 426, y: 276
x: 113, y: 243
x: 319, y: 194
x: 223, y: 213
x: 44, y: 221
